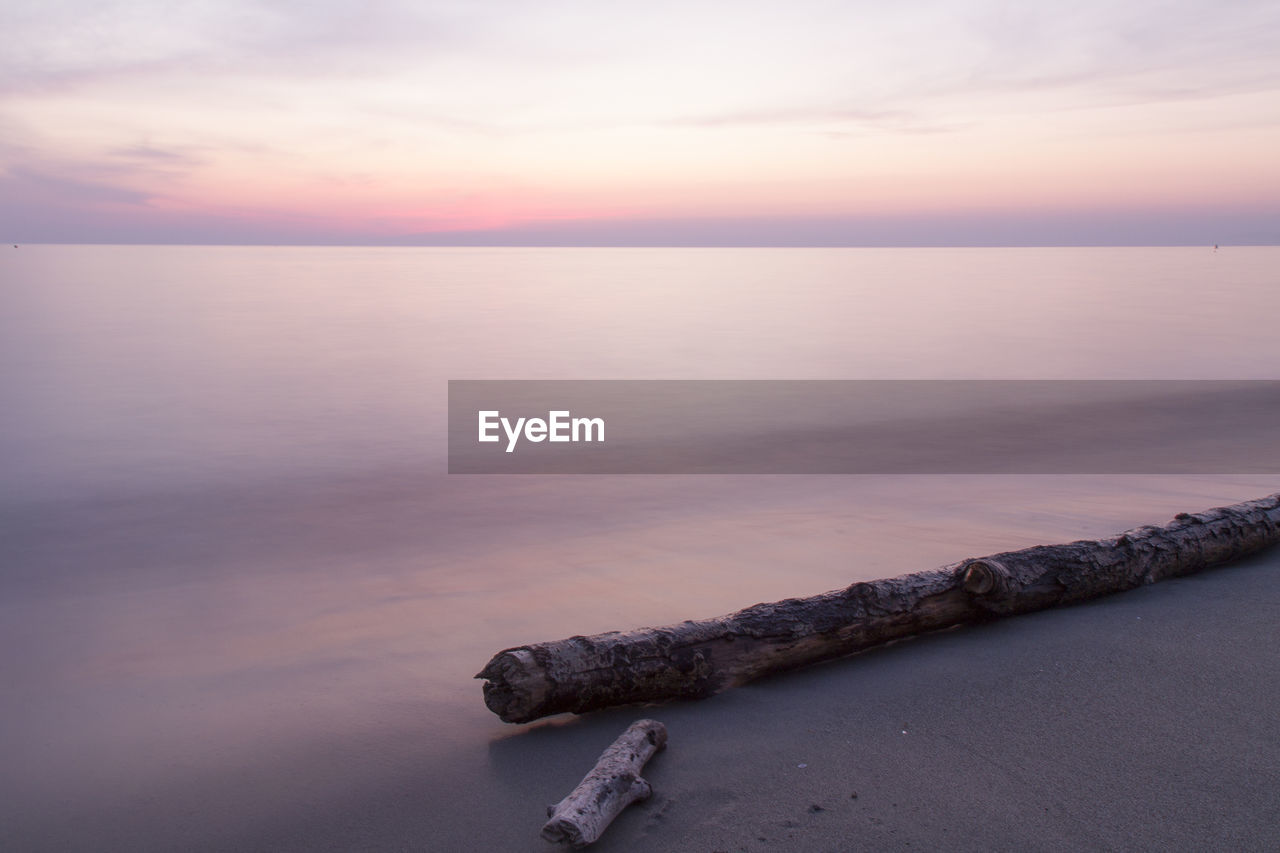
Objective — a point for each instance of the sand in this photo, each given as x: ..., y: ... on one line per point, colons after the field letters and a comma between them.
x: 1145, y: 721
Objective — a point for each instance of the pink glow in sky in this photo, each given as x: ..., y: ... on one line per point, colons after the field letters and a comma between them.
x: 723, y: 123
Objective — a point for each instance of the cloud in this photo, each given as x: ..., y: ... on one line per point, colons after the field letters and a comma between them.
x: 151, y: 153
x: 1124, y: 52
x: 64, y: 46
x: 37, y: 206
x: 31, y: 186
x: 855, y: 122
x: 1082, y: 227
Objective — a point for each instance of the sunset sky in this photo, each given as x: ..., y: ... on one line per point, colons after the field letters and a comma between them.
x: 602, y: 123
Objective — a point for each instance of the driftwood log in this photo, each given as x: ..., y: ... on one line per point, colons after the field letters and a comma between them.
x: 693, y: 660
x: 612, y: 785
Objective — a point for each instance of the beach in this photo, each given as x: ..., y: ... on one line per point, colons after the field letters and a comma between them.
x: 243, y: 602
x: 1136, y: 723
x: 279, y: 710
x: 372, y: 375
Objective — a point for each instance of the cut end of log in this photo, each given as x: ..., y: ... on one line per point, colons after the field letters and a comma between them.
x: 514, y: 684
x: 561, y: 831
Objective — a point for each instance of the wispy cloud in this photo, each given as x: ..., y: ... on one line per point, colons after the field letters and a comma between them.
x: 153, y: 154
x: 831, y: 122
x: 31, y: 185
x: 1124, y: 52
x: 63, y: 46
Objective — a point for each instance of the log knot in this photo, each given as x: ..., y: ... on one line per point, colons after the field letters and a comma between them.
x: 986, y: 578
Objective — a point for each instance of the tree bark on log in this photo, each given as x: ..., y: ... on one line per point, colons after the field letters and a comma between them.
x: 696, y: 659
x: 612, y: 785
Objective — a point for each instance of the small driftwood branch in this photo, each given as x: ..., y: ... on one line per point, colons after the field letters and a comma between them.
x: 697, y: 659
x: 612, y: 785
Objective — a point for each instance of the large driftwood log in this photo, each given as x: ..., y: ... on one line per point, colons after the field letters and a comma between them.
x: 697, y: 659
x: 612, y: 785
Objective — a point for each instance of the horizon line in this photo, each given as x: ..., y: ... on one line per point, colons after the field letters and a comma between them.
x: 407, y: 245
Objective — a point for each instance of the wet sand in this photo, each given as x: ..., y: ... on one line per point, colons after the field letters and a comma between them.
x: 1141, y: 722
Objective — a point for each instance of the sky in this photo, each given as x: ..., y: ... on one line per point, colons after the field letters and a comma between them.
x: 510, y: 122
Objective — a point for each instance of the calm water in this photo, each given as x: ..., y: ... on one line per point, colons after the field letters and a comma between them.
x: 231, y: 556
x: 144, y: 369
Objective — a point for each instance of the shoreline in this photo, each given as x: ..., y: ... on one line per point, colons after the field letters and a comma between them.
x: 320, y: 706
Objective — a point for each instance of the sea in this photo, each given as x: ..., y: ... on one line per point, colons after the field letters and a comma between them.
x: 242, y: 597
